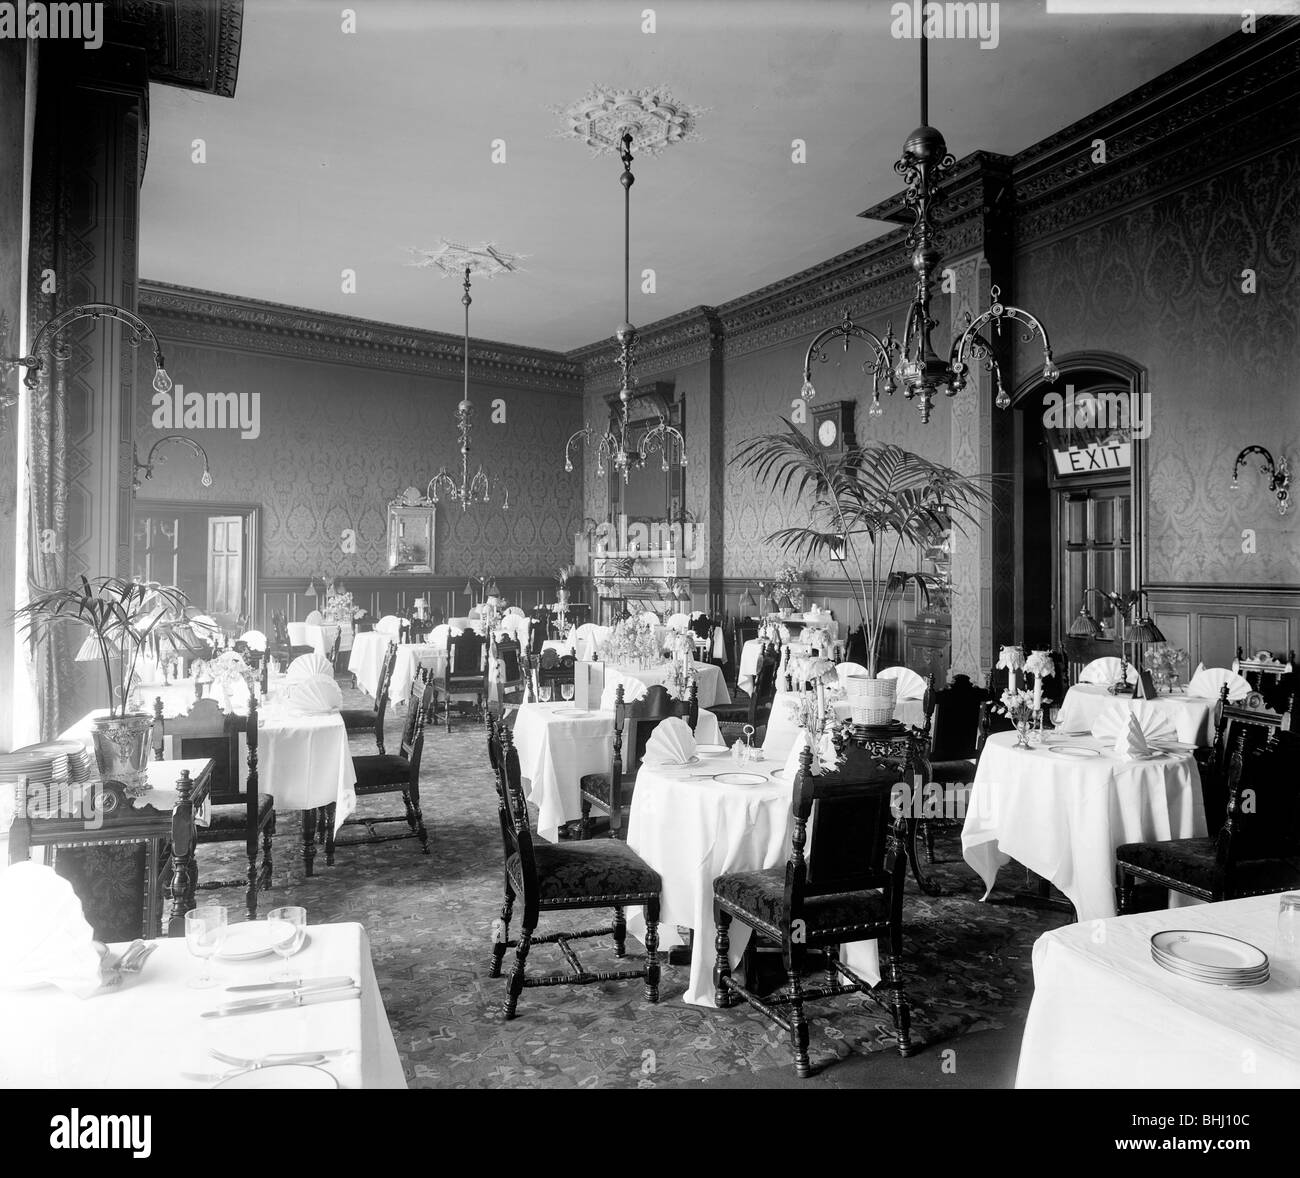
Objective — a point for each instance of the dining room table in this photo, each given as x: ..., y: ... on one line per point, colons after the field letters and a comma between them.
x: 149, y: 1030
x: 558, y: 743
x: 1063, y: 806
x: 693, y: 823
x: 783, y: 726
x: 367, y: 658
x: 1104, y: 1014
x: 712, y: 687
x: 1192, y: 716
x: 319, y: 636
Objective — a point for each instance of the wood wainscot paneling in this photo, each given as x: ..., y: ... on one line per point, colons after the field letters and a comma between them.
x: 1211, y: 621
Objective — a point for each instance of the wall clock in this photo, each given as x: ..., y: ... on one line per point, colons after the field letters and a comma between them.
x: 833, y: 426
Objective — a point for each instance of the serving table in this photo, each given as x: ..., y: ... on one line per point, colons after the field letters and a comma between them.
x: 146, y: 1032
x: 691, y: 829
x: 1192, y: 716
x: 113, y: 851
x: 557, y: 745
x: 1105, y: 1015
x: 1062, y: 809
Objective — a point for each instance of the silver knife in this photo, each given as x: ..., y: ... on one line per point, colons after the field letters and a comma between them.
x: 294, y: 984
x: 257, y: 1005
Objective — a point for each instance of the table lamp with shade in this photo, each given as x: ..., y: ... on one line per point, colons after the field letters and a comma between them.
x: 1132, y: 633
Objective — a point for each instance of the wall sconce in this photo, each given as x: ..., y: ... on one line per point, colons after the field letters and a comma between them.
x: 138, y: 332
x: 148, y: 464
x: 1278, y: 475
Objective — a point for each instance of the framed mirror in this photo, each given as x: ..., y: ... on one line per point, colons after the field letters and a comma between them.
x: 651, y: 498
x: 412, y: 528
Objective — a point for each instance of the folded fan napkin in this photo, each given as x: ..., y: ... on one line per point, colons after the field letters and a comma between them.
x: 1105, y: 671
x: 1152, y: 724
x: 306, y: 665
x: 1207, y: 684
x: 313, y: 695
x: 633, y: 690
x: 910, y: 684
x: 801, y: 742
x: 388, y: 624
x: 1131, y: 743
x: 46, y: 938
x: 671, y: 743
x: 678, y: 622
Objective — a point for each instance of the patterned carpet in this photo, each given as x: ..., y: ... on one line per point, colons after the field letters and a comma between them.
x: 966, y: 964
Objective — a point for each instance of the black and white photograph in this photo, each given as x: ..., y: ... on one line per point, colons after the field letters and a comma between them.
x: 670, y: 545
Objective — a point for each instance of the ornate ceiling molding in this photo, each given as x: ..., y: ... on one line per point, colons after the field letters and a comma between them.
x: 193, y: 44
x: 181, y: 314
x: 652, y: 116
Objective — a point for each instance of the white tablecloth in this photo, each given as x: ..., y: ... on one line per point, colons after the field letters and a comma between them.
x: 411, y: 656
x: 1063, y: 816
x: 781, y: 727
x: 146, y: 1032
x: 1105, y: 1015
x: 367, y: 658
x: 1084, y: 702
x: 712, y: 690
x: 556, y: 748
x: 692, y: 829
x: 319, y: 638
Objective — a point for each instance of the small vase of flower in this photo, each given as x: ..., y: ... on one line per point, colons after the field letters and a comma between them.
x: 1018, y: 707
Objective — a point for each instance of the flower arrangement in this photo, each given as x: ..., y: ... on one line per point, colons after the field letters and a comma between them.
x: 789, y: 584
x: 1163, y: 659
x: 631, y: 643
x: 818, y: 638
x: 1019, y: 708
x: 680, y: 644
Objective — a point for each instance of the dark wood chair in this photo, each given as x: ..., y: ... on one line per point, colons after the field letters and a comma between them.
x: 848, y: 887
x: 278, y: 645
x: 610, y: 793
x: 384, y: 773
x: 237, y: 814
x: 554, y: 669
x: 1255, y: 852
x: 564, y: 877
x: 512, y: 680
x: 372, y: 719
x: 732, y: 718
x: 948, y: 750
x: 1255, y: 725
x: 465, y: 673
x: 540, y: 631
x: 989, y: 720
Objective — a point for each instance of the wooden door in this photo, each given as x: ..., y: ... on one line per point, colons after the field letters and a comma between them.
x: 155, y: 548
x: 225, y: 565
x: 1094, y: 533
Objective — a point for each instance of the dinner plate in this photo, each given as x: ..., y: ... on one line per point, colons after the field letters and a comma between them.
x: 1073, y: 750
x: 708, y: 749
x: 1209, y: 950
x: 741, y: 778
x: 255, y: 938
x: 283, y: 1075
x: 1233, y: 978
x: 571, y: 713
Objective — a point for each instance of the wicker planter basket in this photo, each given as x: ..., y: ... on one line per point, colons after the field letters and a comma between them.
x: 871, y: 699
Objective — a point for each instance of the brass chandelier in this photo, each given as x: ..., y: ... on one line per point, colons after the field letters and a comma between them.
x: 488, y: 261
x: 614, y: 449
x: 912, y: 362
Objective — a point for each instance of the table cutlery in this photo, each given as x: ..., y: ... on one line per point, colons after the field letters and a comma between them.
x: 282, y: 1002
x: 283, y: 1057
x: 296, y: 984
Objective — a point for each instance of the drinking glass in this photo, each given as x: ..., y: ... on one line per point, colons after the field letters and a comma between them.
x: 205, y: 930
x: 544, y: 690
x: 1288, y: 928
x: 291, y: 942
x: 566, y: 691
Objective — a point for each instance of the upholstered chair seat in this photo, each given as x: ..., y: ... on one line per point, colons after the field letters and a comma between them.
x: 1192, y: 865
x: 587, y: 870
x: 235, y: 817
x: 761, y: 894
x: 596, y: 785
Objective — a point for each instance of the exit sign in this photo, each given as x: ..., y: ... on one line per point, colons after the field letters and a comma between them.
x: 1096, y: 456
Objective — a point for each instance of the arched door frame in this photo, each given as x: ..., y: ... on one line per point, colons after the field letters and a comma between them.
x: 1135, y: 376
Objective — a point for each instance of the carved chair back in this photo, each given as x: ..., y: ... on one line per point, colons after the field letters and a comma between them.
x: 205, y: 731
x: 555, y: 668
x: 512, y: 673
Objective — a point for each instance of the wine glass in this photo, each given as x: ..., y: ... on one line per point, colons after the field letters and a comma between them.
x: 544, y: 690
x: 1288, y: 928
x: 205, y: 930
x: 291, y: 941
x: 566, y: 691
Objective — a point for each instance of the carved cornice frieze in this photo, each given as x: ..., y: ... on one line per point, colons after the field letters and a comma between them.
x: 193, y: 44
x: 185, y: 315
x: 1205, y: 115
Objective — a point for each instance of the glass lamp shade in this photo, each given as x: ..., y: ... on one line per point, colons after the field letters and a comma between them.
x: 747, y: 600
x: 1145, y: 630
x: 1085, y: 625
x: 469, y: 588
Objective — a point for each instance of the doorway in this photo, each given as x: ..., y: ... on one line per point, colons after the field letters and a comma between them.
x: 208, y: 551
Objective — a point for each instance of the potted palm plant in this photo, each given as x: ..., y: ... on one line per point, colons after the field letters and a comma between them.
x: 126, y: 619
x: 866, y: 509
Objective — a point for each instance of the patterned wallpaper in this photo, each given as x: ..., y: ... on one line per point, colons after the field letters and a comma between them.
x: 1161, y: 285
x: 338, y: 442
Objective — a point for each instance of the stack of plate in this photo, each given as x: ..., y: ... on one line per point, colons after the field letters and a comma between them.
x: 80, y: 762
x: 1210, y: 958
x: 46, y: 776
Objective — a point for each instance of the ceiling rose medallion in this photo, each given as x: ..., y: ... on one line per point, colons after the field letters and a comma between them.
x: 652, y: 116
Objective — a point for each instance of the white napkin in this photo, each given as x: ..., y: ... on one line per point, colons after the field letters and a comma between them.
x: 633, y: 690
x: 671, y: 743
x: 45, y: 936
x: 678, y: 622
x: 313, y: 695
x: 910, y: 684
x: 306, y: 665
x: 1131, y: 743
x: 848, y: 670
x: 1145, y: 717
x: 253, y: 639
x: 1207, y: 684
x: 1105, y: 671
x: 388, y: 624
x: 801, y: 741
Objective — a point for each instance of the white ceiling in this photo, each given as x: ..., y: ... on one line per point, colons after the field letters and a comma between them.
x: 344, y: 151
